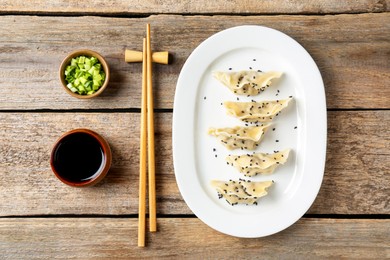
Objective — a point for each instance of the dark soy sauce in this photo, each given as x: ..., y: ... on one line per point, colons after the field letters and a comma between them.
x: 78, y: 157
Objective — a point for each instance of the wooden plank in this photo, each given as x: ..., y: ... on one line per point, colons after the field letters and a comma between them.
x: 193, y: 7
x: 96, y: 238
x: 353, y: 58
x: 356, y: 177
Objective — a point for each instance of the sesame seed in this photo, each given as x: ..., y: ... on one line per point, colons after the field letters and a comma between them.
x: 204, y: 98
x: 277, y: 141
x: 230, y: 68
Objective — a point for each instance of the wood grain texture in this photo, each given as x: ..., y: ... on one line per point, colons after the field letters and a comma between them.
x: 354, y: 59
x: 356, y: 178
x: 110, y: 238
x: 193, y: 7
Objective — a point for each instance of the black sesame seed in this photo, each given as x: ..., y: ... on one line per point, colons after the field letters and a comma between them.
x: 204, y: 98
x: 295, y: 127
x: 250, y: 68
x: 216, y: 156
x: 254, y: 59
x: 238, y: 99
x: 273, y: 129
x: 277, y: 141
x: 214, y: 149
x: 230, y: 68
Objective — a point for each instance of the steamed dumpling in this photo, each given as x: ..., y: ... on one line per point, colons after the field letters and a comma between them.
x: 241, y: 191
x: 249, y: 82
x: 259, y: 163
x: 256, y: 111
x: 240, y: 137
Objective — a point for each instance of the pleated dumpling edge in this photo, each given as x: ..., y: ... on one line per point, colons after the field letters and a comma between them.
x: 263, y: 111
x: 240, y: 137
x: 246, y: 82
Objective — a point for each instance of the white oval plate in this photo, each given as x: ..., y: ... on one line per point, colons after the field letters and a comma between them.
x: 300, y: 127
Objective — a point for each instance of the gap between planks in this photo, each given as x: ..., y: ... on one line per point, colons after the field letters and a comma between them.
x: 138, y: 110
x: 169, y: 216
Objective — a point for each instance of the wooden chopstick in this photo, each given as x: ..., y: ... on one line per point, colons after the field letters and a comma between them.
x: 142, y: 165
x: 151, y: 159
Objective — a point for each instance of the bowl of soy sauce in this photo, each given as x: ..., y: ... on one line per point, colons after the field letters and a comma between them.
x: 81, y: 157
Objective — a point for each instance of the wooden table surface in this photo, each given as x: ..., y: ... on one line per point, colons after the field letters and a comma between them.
x: 42, y: 218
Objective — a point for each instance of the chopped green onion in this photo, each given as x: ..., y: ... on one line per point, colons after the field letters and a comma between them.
x: 84, y: 75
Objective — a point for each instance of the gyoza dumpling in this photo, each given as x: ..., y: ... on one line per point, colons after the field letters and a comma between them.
x: 240, y: 137
x: 256, y: 111
x: 259, y: 163
x: 241, y: 191
x: 248, y: 82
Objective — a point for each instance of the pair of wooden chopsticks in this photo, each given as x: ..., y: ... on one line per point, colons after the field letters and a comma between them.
x: 147, y: 134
